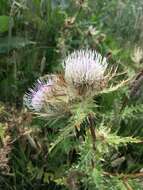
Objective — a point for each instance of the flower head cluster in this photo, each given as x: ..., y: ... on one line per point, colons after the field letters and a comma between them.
x: 84, y: 69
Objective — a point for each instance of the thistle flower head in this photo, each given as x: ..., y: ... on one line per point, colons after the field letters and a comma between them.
x: 45, y: 94
x: 85, y: 68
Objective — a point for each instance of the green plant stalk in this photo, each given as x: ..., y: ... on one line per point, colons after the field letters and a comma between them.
x: 92, y: 130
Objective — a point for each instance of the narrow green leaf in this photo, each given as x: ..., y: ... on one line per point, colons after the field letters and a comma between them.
x: 4, y: 23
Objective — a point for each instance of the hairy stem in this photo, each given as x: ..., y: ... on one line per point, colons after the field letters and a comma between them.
x: 92, y: 130
x: 125, y: 176
x: 126, y: 184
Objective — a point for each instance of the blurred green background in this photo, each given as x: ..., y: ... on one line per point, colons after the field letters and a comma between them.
x: 35, y: 36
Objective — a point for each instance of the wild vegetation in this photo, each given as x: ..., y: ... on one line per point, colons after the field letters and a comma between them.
x: 92, y: 140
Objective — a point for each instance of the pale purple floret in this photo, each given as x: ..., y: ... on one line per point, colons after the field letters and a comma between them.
x: 84, y: 67
x: 36, y: 98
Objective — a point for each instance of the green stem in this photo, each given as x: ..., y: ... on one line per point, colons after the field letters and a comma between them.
x: 92, y: 130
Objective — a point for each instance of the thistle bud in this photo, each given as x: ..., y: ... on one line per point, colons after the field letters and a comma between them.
x: 46, y: 94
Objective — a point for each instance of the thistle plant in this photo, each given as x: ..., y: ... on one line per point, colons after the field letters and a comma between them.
x: 74, y: 94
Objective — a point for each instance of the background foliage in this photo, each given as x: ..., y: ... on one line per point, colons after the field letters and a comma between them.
x: 35, y: 35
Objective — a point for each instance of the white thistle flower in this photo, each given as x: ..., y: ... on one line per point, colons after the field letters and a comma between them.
x: 85, y: 68
x: 45, y: 94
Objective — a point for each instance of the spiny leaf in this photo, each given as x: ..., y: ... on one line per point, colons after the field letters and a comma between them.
x: 132, y: 111
x: 115, y: 88
x: 63, y: 134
